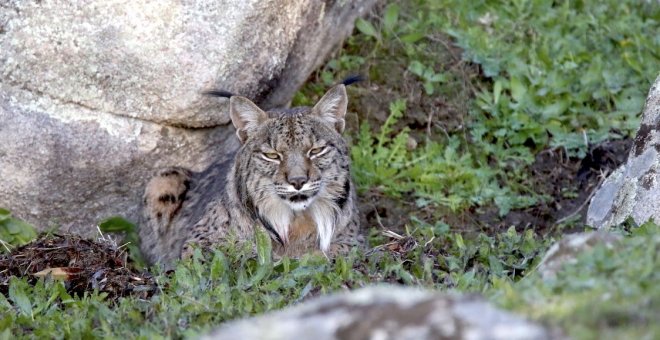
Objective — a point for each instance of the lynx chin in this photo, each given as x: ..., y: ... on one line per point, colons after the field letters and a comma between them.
x: 291, y: 177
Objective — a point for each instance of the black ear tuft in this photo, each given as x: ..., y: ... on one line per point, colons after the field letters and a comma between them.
x: 218, y: 93
x: 352, y: 79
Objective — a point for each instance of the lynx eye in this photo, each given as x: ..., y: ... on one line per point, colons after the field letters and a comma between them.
x: 316, y: 151
x: 271, y: 155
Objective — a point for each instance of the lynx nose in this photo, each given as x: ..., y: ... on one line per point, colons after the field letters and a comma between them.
x: 297, y: 181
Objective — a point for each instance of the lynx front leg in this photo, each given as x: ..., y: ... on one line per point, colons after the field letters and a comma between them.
x: 210, y: 231
x: 347, y: 239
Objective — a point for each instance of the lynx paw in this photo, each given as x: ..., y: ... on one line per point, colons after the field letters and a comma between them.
x: 166, y: 192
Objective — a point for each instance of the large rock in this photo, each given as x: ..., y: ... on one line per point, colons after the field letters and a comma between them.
x: 95, y: 95
x: 633, y: 190
x: 386, y: 312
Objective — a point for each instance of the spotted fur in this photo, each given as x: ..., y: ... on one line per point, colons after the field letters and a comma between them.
x: 291, y: 177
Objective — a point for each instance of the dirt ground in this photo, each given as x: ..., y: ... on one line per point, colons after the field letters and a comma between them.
x: 569, y: 182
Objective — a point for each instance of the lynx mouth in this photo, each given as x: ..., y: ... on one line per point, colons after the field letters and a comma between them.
x: 298, y: 198
x: 298, y: 201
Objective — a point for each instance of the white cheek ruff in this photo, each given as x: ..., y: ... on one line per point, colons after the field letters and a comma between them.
x: 324, y: 214
x: 279, y: 215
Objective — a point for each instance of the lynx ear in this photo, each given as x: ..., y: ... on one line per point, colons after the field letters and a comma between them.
x: 332, y: 107
x: 246, y: 116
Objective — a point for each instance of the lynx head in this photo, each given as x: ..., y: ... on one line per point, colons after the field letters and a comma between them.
x: 293, y: 162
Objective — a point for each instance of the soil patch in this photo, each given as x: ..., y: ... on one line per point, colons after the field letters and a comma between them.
x: 83, y: 265
x: 567, y: 183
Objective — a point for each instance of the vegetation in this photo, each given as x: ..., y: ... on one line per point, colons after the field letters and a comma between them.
x: 608, y: 293
x: 551, y: 74
x: 228, y: 285
x: 13, y: 231
x: 455, y: 130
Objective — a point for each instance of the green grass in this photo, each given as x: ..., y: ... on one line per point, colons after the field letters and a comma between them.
x: 532, y: 75
x: 608, y: 293
x: 230, y: 284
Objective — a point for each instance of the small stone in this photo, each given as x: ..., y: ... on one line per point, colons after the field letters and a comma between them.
x: 411, y: 143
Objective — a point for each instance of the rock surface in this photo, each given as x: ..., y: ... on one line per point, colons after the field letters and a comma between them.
x: 385, y: 312
x: 94, y: 96
x: 633, y: 190
x: 151, y: 60
x: 59, y: 166
x: 566, y: 250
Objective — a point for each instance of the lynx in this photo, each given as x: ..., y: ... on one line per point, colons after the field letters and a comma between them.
x: 290, y: 177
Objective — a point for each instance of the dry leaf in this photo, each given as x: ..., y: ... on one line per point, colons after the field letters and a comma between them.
x: 59, y: 273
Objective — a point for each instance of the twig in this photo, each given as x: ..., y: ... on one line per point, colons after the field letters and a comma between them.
x: 443, y: 42
x: 6, y: 245
x: 587, y: 200
x: 392, y: 234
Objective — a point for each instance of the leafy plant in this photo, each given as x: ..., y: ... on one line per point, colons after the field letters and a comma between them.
x: 607, y: 291
x: 14, y: 232
x: 569, y: 71
x: 430, y: 78
x: 441, y: 174
x: 131, y: 240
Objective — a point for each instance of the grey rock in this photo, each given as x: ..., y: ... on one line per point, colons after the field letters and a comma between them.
x: 152, y: 59
x: 566, y: 250
x: 633, y: 190
x: 95, y: 95
x: 385, y: 312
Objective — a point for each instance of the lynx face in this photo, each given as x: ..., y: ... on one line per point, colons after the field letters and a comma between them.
x: 294, y: 163
x: 300, y: 156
